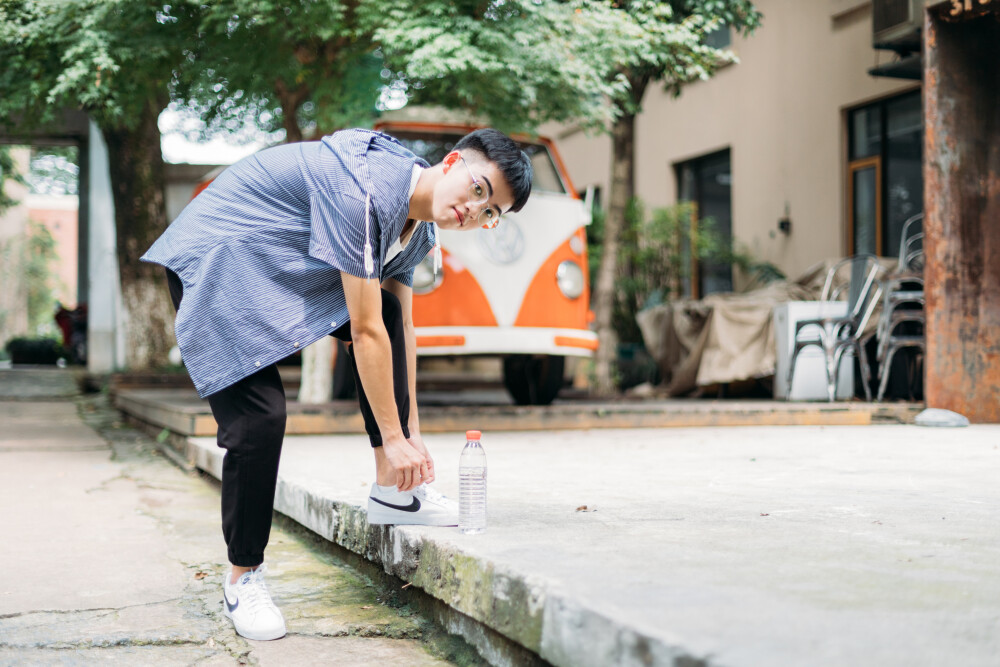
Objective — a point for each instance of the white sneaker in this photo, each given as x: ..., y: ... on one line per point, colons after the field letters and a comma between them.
x: 421, y: 507
x: 249, y: 605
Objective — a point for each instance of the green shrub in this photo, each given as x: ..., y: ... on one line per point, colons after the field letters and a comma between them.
x: 40, y: 255
x: 34, y: 350
x: 655, y: 261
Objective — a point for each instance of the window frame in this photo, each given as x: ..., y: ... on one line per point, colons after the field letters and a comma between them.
x: 881, y: 106
x: 696, y: 164
x: 853, y: 168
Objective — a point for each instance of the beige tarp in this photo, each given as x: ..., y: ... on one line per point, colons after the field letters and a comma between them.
x: 723, y: 337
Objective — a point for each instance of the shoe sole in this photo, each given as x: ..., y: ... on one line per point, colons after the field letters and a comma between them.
x: 398, y: 519
x: 259, y: 637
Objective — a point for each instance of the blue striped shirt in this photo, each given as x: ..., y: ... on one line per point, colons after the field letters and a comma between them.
x: 261, y: 249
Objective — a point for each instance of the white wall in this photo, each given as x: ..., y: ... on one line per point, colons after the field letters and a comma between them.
x: 105, y: 325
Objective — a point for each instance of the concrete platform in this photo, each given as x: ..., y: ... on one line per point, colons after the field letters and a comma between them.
x: 820, y: 546
x: 182, y: 412
x: 29, y: 383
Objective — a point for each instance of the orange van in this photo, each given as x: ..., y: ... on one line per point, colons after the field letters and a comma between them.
x: 520, y: 291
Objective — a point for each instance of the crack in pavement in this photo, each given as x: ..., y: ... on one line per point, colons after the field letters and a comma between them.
x: 18, y: 614
x: 96, y: 643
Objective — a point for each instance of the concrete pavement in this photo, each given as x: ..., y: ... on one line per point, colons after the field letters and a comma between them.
x: 109, y: 554
x: 739, y: 546
x: 742, y: 546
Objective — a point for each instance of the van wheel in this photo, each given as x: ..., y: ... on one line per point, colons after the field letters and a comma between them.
x: 343, y: 375
x: 533, y: 380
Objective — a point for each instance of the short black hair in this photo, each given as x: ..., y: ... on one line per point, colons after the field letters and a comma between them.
x: 504, y: 152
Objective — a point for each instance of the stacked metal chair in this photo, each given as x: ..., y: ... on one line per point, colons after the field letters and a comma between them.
x: 902, y: 303
x: 838, y: 336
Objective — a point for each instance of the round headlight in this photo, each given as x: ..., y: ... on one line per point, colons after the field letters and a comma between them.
x: 424, y: 278
x: 569, y: 277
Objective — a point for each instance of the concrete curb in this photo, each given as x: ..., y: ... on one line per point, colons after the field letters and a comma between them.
x: 528, y: 610
x: 181, y: 412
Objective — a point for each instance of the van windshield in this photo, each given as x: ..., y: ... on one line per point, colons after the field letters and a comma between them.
x: 433, y: 146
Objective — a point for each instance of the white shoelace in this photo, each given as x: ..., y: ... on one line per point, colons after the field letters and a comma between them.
x: 254, y: 592
x: 432, y: 494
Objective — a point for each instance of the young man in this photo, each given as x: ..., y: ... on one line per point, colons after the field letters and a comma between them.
x: 306, y: 240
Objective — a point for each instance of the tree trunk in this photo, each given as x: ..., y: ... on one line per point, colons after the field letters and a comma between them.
x: 137, y: 178
x: 316, y: 385
x: 622, y: 191
x: 290, y: 100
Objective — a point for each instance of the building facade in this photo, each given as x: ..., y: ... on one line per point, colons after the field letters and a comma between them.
x: 797, y: 131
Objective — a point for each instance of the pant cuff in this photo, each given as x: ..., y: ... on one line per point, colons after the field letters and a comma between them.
x: 246, y: 561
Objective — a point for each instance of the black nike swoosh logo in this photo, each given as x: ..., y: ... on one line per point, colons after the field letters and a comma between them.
x: 231, y: 607
x: 412, y: 507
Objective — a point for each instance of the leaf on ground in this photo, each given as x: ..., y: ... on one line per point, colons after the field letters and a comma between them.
x: 586, y: 508
x: 200, y: 575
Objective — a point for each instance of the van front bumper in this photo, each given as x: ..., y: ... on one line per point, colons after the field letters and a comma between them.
x: 488, y: 341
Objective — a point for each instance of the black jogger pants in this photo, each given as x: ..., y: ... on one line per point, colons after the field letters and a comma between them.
x: 251, y: 416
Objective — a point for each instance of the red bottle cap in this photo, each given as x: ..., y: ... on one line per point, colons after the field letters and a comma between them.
x: 473, y: 435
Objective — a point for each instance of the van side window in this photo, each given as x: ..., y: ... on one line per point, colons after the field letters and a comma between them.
x: 546, y: 177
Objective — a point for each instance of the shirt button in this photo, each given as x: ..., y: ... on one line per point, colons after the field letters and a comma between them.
x: 333, y: 324
x: 295, y: 344
x: 257, y: 364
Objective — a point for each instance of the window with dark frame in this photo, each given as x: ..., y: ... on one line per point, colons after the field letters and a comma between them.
x: 719, y: 38
x: 707, y: 182
x: 884, y: 172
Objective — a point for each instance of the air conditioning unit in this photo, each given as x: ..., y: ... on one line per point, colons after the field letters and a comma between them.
x: 896, y: 24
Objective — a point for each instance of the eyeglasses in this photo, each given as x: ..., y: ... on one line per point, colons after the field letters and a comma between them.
x: 489, y: 217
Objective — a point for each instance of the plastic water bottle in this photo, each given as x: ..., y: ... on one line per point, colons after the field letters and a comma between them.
x: 472, y: 485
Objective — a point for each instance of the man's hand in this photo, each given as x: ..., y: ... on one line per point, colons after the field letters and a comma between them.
x: 407, y: 462
x: 418, y: 444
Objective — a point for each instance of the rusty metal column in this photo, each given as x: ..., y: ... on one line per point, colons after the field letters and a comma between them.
x: 962, y: 209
